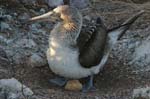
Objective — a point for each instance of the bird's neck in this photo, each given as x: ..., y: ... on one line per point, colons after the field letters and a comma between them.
x: 70, y: 26
x: 73, y: 25
x: 68, y: 30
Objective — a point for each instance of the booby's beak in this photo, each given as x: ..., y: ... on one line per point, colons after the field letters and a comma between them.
x: 49, y: 16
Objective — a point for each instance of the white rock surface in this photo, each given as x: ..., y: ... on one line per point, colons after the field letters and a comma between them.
x: 13, y: 89
x: 141, y: 56
x: 141, y: 93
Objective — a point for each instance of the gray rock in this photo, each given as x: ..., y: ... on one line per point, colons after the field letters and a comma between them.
x: 5, y: 26
x: 36, y: 60
x: 141, y: 93
x: 13, y: 89
x: 3, y: 40
x: 23, y: 16
x: 35, y: 27
x: 8, y: 17
x: 15, y: 14
x: 141, y: 56
x: 54, y: 3
x: 42, y: 11
x: 25, y: 43
x: 80, y: 3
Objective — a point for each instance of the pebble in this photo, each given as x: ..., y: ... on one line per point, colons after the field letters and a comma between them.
x: 42, y: 11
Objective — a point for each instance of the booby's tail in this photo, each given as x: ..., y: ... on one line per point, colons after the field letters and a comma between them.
x: 119, y: 31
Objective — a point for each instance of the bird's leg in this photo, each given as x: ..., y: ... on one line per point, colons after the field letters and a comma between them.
x: 89, y: 86
x: 59, y: 81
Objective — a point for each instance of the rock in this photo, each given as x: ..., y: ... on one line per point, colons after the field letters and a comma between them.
x: 36, y: 60
x: 13, y: 89
x: 15, y: 14
x: 73, y: 85
x: 87, y: 18
x: 3, y: 40
x: 80, y: 3
x: 23, y: 16
x: 141, y: 93
x: 5, y: 26
x: 25, y: 43
x: 35, y: 27
x: 42, y: 11
x: 8, y: 17
x: 54, y: 3
x: 141, y: 56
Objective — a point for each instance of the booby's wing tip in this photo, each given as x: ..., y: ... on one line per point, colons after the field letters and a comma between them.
x: 134, y: 17
x: 142, y: 11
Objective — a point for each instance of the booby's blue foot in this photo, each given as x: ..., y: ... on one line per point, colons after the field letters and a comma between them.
x: 59, y: 81
x: 89, y: 87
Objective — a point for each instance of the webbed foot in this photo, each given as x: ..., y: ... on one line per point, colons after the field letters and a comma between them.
x: 89, y: 86
x: 59, y: 81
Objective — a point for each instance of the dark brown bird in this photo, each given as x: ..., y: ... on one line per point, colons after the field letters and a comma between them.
x: 75, y: 53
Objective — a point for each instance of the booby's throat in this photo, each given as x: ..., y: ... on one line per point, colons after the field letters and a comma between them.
x: 70, y: 26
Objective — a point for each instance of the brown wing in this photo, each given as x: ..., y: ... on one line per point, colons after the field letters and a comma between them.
x: 91, y: 43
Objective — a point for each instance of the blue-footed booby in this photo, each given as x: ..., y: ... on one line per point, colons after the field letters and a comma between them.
x: 74, y: 53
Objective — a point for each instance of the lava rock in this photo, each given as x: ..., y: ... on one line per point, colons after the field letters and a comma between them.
x: 13, y: 89
x: 141, y: 93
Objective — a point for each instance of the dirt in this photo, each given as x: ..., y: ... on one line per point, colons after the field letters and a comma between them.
x: 116, y: 81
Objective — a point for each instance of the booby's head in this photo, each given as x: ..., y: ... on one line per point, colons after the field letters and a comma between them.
x: 69, y: 16
x: 63, y: 12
